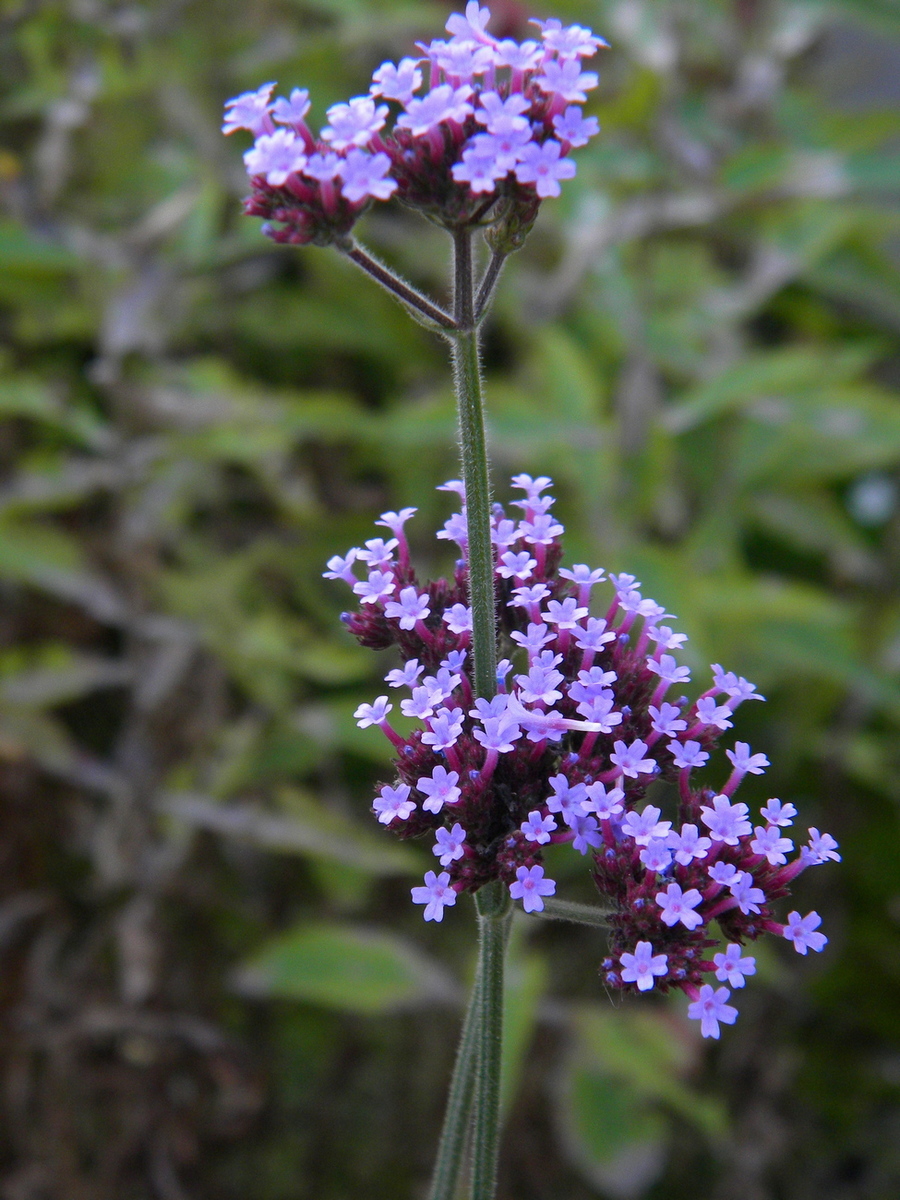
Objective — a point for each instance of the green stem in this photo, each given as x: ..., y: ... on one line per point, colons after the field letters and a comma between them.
x: 494, y: 916
x: 417, y: 305
x: 457, y: 1117
x: 579, y: 914
x: 473, y: 451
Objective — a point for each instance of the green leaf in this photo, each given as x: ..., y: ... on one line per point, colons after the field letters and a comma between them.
x: 348, y: 968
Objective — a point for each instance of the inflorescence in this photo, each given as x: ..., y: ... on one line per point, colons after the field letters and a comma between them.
x: 582, y: 723
x: 475, y: 131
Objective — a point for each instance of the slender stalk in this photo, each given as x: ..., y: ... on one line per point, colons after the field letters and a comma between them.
x: 487, y: 285
x: 408, y: 295
x: 473, y: 450
x: 457, y: 1117
x: 494, y: 915
x: 579, y: 914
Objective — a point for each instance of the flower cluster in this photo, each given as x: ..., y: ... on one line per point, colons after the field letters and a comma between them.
x: 477, y: 129
x: 583, y: 722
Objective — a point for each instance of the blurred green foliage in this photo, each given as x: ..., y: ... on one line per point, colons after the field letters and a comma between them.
x: 212, y: 982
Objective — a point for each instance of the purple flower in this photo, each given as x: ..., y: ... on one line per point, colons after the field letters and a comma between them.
x: 441, y: 104
x: 458, y: 619
x: 769, y: 843
x: 666, y: 720
x: 397, y: 82
x: 710, y: 713
x: 630, y: 759
x: 566, y: 799
x: 291, y: 112
x: 726, y: 822
x: 688, y: 844
x: 687, y: 755
x: 373, y: 714
x: 607, y: 805
x: 440, y: 789
x: 249, y: 111
x: 436, y: 895
x: 409, y: 609
x: 777, y: 813
x: 731, y: 968
x: 574, y: 128
x: 800, y: 931
x: 821, y: 848
x: 538, y: 828
x: 586, y: 833
x: 394, y: 802
x: 544, y: 166
x: 275, y: 156
x: 378, y: 586
x: 366, y: 175
x: 492, y: 798
x: 668, y: 669
x: 503, y: 116
x: 530, y: 886
x: 749, y: 898
x: 724, y: 874
x: 710, y: 1008
x: 566, y: 79
x: 646, y: 825
x: 444, y: 729
x: 406, y: 675
x: 745, y: 762
x: 656, y: 856
x: 642, y: 966
x: 679, y: 906
x: 354, y: 123
x: 449, y: 845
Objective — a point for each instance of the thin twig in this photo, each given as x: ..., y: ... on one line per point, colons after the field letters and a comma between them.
x: 404, y: 292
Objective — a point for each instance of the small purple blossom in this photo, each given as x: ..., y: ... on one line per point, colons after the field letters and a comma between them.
x: 731, y: 968
x: 710, y: 1008
x: 530, y: 886
x: 800, y: 931
x: 646, y: 825
x: 410, y: 608
x: 439, y: 788
x: 642, y: 966
x: 449, y: 845
x: 679, y: 906
x: 394, y: 802
x: 436, y: 895
x: 537, y: 828
x: 726, y: 822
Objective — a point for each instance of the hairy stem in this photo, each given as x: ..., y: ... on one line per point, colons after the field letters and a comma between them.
x: 473, y: 450
x: 494, y: 917
x: 414, y: 300
x: 488, y: 284
x: 457, y: 1117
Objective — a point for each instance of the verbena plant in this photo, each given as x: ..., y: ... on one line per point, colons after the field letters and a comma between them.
x: 539, y: 721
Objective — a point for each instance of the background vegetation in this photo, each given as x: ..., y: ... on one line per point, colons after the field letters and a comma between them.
x: 212, y: 982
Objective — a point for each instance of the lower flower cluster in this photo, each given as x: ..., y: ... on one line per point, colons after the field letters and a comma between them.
x: 582, y: 723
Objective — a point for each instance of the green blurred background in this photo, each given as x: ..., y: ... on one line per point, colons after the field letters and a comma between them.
x: 212, y: 982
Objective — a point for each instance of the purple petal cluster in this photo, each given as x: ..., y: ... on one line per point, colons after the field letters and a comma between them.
x: 475, y: 129
x: 584, y: 720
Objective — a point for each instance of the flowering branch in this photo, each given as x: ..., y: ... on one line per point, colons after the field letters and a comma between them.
x: 502, y: 763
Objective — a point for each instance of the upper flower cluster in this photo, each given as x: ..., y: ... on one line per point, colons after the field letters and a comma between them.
x: 582, y: 723
x: 477, y: 125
